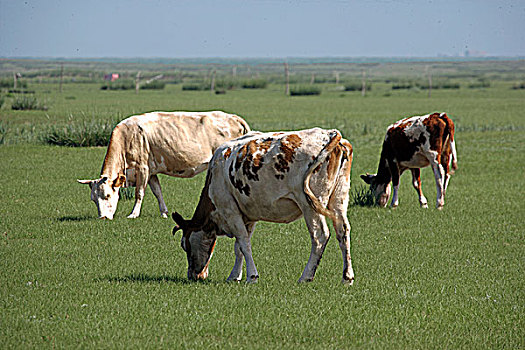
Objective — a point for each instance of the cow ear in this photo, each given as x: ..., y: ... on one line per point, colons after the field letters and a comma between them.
x: 86, y: 182
x: 367, y: 178
x: 179, y: 220
x: 103, y: 179
x: 119, y: 181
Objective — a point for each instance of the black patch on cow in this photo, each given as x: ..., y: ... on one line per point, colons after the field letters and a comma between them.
x: 238, y: 184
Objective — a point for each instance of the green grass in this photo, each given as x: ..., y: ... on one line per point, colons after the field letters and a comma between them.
x: 424, y: 278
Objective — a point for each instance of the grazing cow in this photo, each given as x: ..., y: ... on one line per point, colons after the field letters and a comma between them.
x: 414, y: 143
x: 173, y: 143
x: 276, y: 177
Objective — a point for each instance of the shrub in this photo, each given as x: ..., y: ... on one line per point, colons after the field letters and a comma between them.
x: 304, y: 91
x: 83, y: 134
x: 481, y: 83
x: 518, y: 86
x: 26, y: 103
x: 195, y: 87
x: 8, y: 83
x: 154, y: 85
x: 254, y: 84
x: 119, y: 85
x: 357, y: 86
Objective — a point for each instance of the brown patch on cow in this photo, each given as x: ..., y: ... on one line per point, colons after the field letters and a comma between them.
x: 227, y: 153
x: 251, y: 158
x: 347, y: 155
x: 283, y: 160
x: 334, y: 162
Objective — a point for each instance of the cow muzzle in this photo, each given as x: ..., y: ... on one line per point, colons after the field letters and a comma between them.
x: 193, y: 276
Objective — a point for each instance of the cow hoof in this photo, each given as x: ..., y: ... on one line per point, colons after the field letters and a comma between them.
x: 132, y: 216
x: 424, y: 206
x: 348, y: 281
x: 440, y: 207
x: 306, y: 280
x: 164, y: 215
x: 252, y: 279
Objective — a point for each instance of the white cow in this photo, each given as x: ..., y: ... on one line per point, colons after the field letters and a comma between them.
x: 275, y: 177
x: 173, y: 143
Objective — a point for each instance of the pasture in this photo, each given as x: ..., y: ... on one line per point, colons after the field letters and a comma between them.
x: 424, y: 278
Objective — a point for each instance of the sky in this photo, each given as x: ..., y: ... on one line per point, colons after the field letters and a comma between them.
x: 260, y: 28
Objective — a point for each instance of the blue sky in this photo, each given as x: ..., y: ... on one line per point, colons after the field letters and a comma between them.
x: 260, y: 28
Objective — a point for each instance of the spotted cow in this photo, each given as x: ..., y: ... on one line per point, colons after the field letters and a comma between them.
x: 276, y: 177
x: 173, y: 143
x: 414, y: 143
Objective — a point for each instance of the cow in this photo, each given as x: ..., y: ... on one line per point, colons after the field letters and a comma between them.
x: 413, y: 143
x: 178, y: 144
x: 275, y: 177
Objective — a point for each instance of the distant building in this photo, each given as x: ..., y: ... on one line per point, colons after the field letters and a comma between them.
x: 111, y: 77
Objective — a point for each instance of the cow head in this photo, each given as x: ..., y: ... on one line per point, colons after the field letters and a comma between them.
x: 380, y: 189
x: 105, y: 194
x: 198, y: 241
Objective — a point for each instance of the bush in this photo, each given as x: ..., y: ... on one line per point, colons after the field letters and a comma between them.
x: 518, y: 86
x: 254, y: 84
x: 119, y: 85
x: 195, y: 87
x: 8, y: 83
x: 26, y: 103
x: 357, y: 86
x: 154, y: 85
x: 83, y: 134
x: 304, y: 91
x: 481, y: 83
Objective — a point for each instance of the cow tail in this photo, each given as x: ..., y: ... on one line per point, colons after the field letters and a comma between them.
x: 245, y: 127
x: 321, y: 157
x: 450, y: 129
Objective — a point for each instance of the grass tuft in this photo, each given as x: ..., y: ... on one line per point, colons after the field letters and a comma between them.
x: 362, y: 197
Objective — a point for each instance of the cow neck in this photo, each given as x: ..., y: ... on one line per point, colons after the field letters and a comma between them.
x: 115, y: 160
x: 201, y: 218
x: 384, y: 174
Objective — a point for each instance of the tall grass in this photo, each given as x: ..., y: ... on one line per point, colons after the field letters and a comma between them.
x: 27, y: 103
x: 79, y: 134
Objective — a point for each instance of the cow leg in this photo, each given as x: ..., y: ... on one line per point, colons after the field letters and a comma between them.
x: 416, y: 182
x: 319, y: 234
x: 439, y: 174
x: 445, y: 159
x: 154, y: 184
x: 140, y: 189
x: 243, y: 240
x: 236, y: 274
x: 394, y: 170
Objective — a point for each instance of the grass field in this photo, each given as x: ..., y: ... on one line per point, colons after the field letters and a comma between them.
x: 424, y: 278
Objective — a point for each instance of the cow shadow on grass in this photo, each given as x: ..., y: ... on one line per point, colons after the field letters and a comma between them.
x: 145, y: 278
x: 71, y: 218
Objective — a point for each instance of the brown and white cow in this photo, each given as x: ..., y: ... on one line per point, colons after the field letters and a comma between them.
x: 414, y: 143
x: 276, y: 177
x: 173, y: 143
